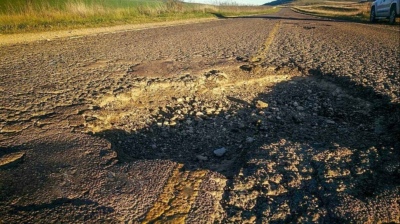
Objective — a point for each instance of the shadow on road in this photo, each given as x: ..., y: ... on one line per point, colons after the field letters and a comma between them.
x: 324, y: 148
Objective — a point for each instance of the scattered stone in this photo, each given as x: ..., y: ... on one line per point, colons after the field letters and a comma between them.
x: 89, y: 118
x: 275, y: 109
x: 210, y: 110
x: 220, y: 152
x: 249, y: 139
x: 330, y: 122
x: 247, y: 68
x: 199, y: 114
x: 300, y: 108
x: 261, y: 105
x: 11, y: 159
x: 93, y: 107
x: 202, y: 158
x: 239, y: 58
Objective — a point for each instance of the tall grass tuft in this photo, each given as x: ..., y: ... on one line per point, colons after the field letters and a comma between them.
x: 38, y: 15
x: 79, y: 8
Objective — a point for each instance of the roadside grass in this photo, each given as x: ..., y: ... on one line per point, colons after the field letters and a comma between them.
x: 349, y: 10
x: 37, y: 5
x: 19, y: 16
x: 231, y: 11
x: 319, y: 2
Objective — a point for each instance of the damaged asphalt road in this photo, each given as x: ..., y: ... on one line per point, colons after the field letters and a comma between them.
x: 281, y: 118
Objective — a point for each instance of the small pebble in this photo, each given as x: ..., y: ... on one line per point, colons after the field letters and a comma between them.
x: 220, y: 152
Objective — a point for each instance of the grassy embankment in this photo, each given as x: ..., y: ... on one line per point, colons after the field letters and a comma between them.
x: 17, y: 16
x: 346, y: 10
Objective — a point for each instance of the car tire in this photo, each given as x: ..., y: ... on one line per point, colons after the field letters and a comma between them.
x: 392, y: 16
x: 372, y: 17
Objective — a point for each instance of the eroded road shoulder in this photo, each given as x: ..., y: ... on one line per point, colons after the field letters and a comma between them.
x: 284, y: 118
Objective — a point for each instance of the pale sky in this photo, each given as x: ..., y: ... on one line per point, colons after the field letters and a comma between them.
x: 240, y: 2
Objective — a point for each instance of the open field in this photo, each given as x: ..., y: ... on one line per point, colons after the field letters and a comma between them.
x: 347, y: 10
x: 343, y: 10
x: 21, y: 5
x: 44, y: 15
x: 316, y: 2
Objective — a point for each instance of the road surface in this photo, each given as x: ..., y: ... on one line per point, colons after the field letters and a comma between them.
x: 275, y: 118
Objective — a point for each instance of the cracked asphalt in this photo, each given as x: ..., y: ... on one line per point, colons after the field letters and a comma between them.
x: 264, y: 119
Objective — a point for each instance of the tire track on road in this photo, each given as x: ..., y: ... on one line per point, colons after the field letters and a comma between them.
x: 177, y: 198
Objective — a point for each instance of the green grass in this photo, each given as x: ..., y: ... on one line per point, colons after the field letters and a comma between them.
x: 18, y: 16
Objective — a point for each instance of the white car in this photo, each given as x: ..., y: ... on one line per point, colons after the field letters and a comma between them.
x: 389, y: 9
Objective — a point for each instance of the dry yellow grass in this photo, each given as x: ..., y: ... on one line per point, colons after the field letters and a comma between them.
x: 346, y: 10
x: 67, y: 14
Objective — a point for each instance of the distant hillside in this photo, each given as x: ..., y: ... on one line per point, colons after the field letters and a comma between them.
x: 278, y: 2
